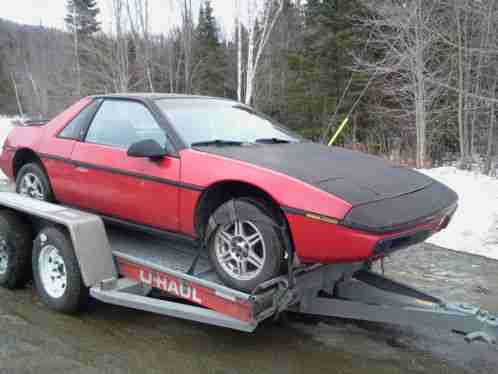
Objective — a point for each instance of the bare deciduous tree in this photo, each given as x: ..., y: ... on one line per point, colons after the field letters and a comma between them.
x: 261, y: 19
x: 403, y: 35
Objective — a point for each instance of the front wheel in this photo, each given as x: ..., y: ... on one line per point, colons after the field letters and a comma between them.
x: 246, y: 252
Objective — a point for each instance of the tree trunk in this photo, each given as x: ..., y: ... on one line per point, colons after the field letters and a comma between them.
x: 77, y: 56
x: 18, y: 99
x: 420, y: 90
x: 460, y: 114
x: 250, y: 57
x: 239, y: 53
x: 254, y: 54
x: 187, y: 42
x: 483, y: 45
x: 490, y: 151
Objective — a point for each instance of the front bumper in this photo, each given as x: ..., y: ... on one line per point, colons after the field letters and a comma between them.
x: 321, y: 242
x: 403, y: 212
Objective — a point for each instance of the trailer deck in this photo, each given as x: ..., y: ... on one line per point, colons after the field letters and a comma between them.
x: 182, y: 270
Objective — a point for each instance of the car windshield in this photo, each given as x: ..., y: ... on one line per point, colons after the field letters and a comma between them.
x: 203, y: 122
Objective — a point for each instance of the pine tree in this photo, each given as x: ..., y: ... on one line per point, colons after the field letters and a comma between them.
x: 209, y: 65
x: 323, y: 66
x: 207, y: 29
x: 82, y: 16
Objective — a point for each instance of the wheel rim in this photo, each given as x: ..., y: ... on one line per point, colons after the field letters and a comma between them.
x: 4, y: 256
x: 52, y: 270
x: 240, y: 250
x: 32, y: 186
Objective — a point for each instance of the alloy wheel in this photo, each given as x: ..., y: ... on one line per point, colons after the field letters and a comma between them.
x: 240, y: 249
x: 32, y: 186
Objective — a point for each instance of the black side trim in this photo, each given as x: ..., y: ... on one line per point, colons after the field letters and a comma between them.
x: 297, y: 212
x: 55, y: 158
x: 311, y: 215
x: 186, y: 186
x: 170, y: 235
x: 446, y: 212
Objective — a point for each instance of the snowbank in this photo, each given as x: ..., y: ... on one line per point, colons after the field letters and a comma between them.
x: 474, y: 228
x: 5, y: 127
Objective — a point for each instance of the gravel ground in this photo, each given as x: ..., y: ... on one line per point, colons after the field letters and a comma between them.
x: 108, y: 339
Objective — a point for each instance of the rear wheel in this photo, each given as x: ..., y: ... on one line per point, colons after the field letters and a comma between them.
x: 56, y: 272
x: 246, y: 252
x: 15, y: 250
x: 32, y: 181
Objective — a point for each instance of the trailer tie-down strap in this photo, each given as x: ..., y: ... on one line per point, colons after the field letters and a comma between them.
x: 247, y: 209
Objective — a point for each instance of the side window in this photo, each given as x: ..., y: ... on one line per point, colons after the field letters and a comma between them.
x: 74, y: 130
x: 120, y: 123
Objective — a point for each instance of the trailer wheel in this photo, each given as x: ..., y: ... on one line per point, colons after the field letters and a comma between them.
x: 246, y: 251
x: 56, y: 272
x: 15, y: 250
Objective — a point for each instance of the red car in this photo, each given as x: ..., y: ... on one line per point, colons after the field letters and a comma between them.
x: 216, y: 171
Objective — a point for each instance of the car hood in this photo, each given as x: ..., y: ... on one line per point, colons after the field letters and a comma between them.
x: 355, y: 177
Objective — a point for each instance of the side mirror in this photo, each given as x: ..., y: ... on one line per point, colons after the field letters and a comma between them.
x: 147, y: 148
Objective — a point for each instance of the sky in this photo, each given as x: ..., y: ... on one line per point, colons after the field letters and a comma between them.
x: 52, y: 12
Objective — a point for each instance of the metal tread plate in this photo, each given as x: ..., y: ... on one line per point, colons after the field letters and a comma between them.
x: 174, y: 255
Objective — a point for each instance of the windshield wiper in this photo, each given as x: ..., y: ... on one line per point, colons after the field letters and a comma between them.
x: 217, y: 142
x: 272, y: 141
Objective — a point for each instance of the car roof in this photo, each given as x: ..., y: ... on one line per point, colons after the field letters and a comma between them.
x: 157, y: 96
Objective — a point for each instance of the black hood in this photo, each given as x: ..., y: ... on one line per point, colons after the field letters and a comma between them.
x: 355, y: 177
x: 384, y: 197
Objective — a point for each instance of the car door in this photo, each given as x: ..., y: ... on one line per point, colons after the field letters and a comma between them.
x: 139, y: 190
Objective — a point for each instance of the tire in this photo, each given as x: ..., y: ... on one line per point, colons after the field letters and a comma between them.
x: 33, y: 182
x: 15, y: 250
x: 234, y: 244
x: 56, y: 272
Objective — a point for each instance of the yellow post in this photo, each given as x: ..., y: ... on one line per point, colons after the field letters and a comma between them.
x: 339, y: 130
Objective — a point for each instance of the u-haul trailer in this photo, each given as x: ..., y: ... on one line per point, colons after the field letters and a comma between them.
x: 121, y: 267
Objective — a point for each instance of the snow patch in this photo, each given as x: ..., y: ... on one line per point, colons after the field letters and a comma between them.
x: 474, y: 228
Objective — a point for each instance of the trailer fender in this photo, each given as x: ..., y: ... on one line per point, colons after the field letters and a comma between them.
x: 86, y: 231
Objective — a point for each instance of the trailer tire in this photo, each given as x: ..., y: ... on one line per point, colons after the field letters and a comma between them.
x: 56, y: 272
x: 40, y: 185
x: 269, y: 249
x: 15, y: 250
